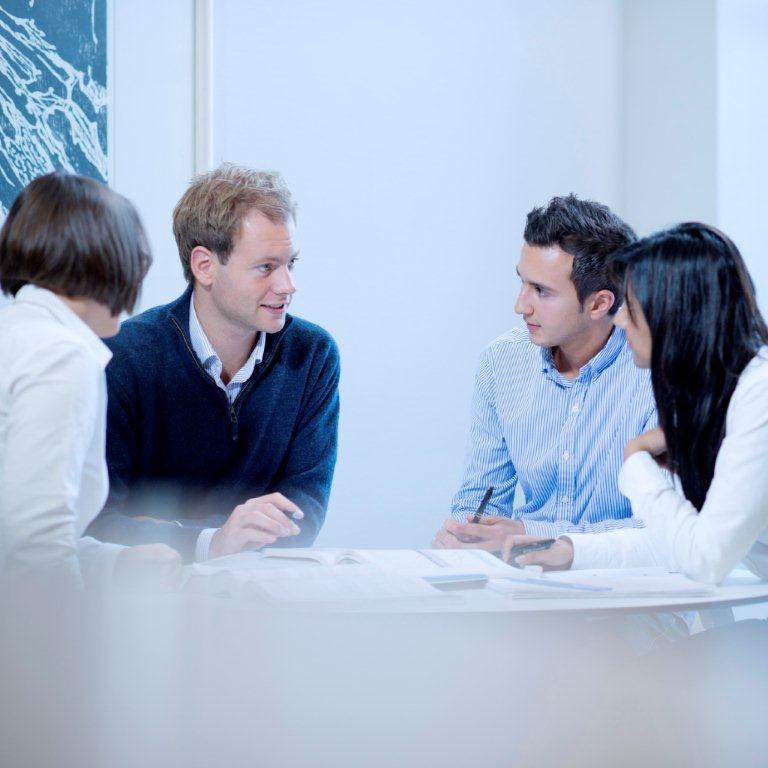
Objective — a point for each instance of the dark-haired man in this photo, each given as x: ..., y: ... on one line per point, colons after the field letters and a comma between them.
x: 554, y: 405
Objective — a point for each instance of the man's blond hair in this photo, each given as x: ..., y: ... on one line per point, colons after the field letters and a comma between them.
x: 212, y: 209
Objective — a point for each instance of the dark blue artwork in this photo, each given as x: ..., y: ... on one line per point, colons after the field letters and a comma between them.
x: 53, y: 91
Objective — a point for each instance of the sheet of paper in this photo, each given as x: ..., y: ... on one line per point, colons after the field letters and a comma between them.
x: 358, y: 584
x: 253, y: 560
x: 630, y: 582
x: 350, y: 584
x: 427, y: 562
x: 532, y: 587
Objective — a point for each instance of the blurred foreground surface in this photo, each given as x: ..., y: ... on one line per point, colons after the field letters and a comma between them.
x: 145, y: 681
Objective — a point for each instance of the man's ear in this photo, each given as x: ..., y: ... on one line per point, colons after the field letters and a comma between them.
x: 201, y: 262
x: 599, y: 304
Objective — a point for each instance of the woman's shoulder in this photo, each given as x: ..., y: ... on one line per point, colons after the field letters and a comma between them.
x: 757, y: 368
x: 751, y: 393
x: 32, y: 343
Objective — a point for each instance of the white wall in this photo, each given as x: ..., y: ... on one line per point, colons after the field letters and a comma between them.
x: 152, y: 139
x: 415, y: 137
x: 742, y: 146
x: 669, y: 112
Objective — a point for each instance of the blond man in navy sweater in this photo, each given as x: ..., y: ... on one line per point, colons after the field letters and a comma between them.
x: 223, y: 408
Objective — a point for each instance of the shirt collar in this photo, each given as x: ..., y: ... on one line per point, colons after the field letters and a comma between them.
x: 610, y: 351
x: 48, y: 300
x: 205, y: 352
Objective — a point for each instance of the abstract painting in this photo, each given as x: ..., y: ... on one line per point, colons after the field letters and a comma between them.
x: 53, y: 91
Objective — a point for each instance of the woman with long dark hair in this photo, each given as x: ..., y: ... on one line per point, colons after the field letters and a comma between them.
x: 699, y: 481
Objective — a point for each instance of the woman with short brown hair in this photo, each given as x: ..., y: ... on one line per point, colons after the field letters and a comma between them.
x: 73, y: 255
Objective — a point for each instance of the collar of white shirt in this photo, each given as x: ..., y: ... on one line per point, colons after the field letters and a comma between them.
x: 207, y: 354
x: 42, y: 297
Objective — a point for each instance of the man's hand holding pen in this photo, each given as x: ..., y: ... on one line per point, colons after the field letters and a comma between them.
x: 488, y: 533
x: 479, y: 532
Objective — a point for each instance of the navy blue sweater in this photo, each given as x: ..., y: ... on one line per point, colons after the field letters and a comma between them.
x: 178, y: 451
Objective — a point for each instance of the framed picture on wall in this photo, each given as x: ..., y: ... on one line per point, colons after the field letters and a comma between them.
x: 53, y: 91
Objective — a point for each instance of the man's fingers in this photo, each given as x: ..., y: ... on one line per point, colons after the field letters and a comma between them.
x: 252, y: 536
x: 267, y: 518
x: 281, y: 502
x: 446, y: 540
x: 281, y: 518
x: 456, y: 529
x: 488, y: 546
x: 477, y: 530
x: 486, y: 519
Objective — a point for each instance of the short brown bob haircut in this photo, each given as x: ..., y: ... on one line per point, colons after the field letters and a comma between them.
x: 212, y: 209
x: 75, y: 237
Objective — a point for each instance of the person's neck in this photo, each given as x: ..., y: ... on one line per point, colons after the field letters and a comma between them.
x: 95, y: 315
x: 571, y: 357
x: 232, y: 343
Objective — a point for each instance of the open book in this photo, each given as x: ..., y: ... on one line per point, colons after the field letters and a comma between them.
x: 434, y: 565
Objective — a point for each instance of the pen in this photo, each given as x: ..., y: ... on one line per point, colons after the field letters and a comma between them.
x: 483, y: 504
x: 521, y: 549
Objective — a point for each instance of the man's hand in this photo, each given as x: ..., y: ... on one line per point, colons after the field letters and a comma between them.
x: 255, y: 524
x: 559, y: 557
x: 652, y: 441
x: 489, y: 534
x: 148, y: 567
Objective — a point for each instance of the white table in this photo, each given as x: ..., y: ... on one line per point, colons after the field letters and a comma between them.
x: 740, y: 588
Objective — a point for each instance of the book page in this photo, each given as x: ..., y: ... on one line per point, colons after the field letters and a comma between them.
x: 429, y: 562
x: 354, y: 583
x: 325, y: 556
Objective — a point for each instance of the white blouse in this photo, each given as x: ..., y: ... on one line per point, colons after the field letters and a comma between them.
x: 53, y: 473
x: 733, y: 522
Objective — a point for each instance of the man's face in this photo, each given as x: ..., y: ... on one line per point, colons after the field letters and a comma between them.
x: 547, y: 300
x: 254, y: 288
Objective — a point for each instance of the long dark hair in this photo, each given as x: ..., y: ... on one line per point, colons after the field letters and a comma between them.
x: 699, y: 300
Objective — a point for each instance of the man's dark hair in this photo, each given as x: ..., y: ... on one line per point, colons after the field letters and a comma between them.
x: 588, y: 231
x: 75, y: 237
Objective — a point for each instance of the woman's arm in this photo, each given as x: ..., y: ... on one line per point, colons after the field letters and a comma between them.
x: 706, y: 546
x: 52, y: 397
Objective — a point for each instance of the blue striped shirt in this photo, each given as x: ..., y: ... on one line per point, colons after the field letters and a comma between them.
x: 211, y: 362
x: 561, y: 439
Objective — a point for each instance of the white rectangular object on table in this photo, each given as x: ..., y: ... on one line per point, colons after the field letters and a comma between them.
x: 628, y: 582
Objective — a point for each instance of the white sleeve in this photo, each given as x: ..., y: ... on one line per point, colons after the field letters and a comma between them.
x: 707, y: 545
x: 203, y: 546
x: 622, y: 548
x: 97, y: 561
x: 49, y: 424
